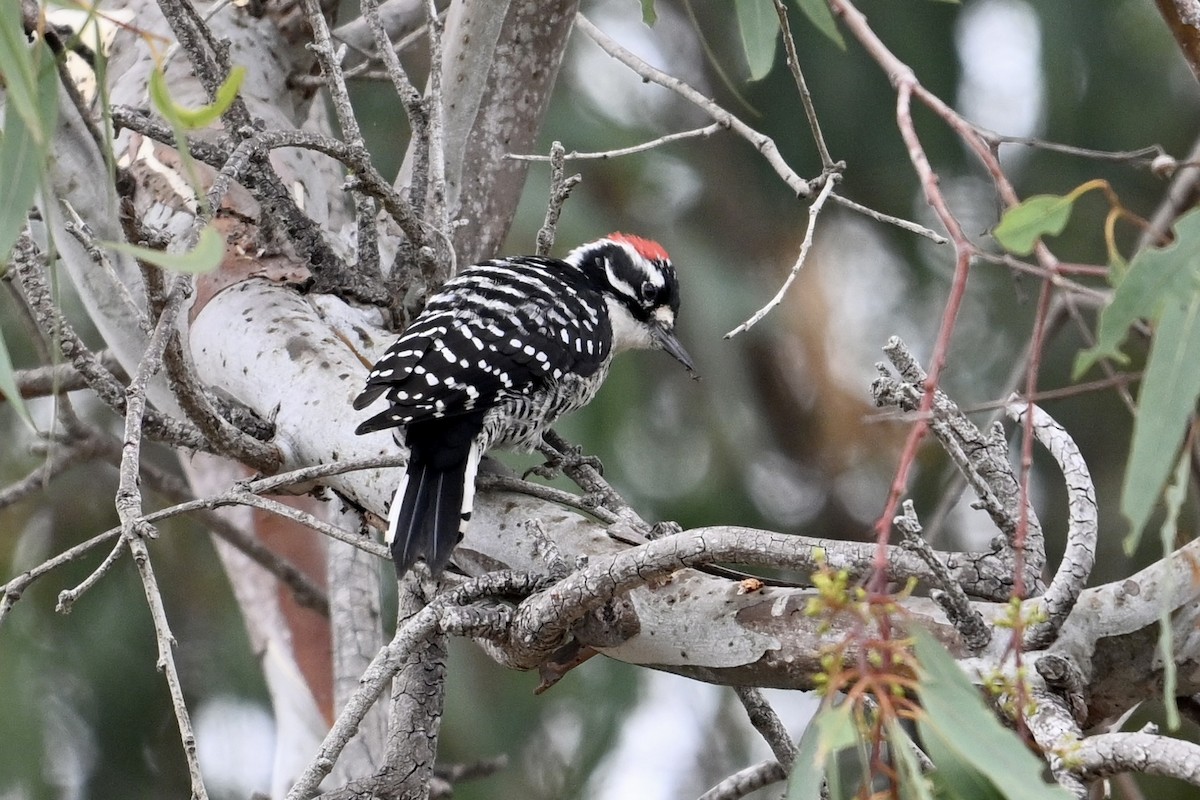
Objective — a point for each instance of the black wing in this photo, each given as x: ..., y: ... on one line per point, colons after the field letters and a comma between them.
x: 499, y: 327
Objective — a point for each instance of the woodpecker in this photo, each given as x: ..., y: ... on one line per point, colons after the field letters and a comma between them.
x: 499, y: 353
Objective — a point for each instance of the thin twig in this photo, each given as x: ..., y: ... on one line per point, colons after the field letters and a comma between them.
x: 30, y: 273
x: 67, y: 597
x: 949, y: 595
x: 814, y: 211
x: 59, y: 378
x: 60, y: 459
x: 1142, y: 154
x: 767, y: 723
x: 763, y: 143
x: 309, y: 521
x: 304, y: 591
x: 83, y: 234
x: 135, y: 531
x: 704, y: 133
x: 810, y: 111
x: 561, y: 186
x: 879, y: 216
x: 330, y: 59
x: 591, y: 481
x: 510, y: 483
x: 410, y: 97
x: 11, y: 592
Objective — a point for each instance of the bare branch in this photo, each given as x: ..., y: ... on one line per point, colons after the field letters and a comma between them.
x: 810, y: 111
x: 67, y: 597
x: 306, y: 593
x: 763, y: 143
x: 437, y: 201
x: 745, y: 781
x: 418, y: 698
x: 560, y: 190
x: 61, y: 457
x: 1056, y: 732
x: 391, y: 659
x: 330, y: 60
x: 135, y: 531
x: 414, y: 106
x: 814, y: 211
x: 950, y: 596
x: 702, y: 133
x: 879, y: 216
x: 58, y: 378
x: 307, y: 520
x: 1107, y: 754
x: 982, y: 460
x: 767, y: 722
x: 1082, y: 524
x: 30, y: 273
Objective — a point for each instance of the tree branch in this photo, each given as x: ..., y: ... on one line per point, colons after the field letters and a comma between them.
x: 1080, y: 553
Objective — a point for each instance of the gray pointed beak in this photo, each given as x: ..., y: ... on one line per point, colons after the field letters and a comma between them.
x: 667, y: 340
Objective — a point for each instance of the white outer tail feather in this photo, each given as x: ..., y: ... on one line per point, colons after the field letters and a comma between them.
x: 394, y: 510
x: 468, y: 503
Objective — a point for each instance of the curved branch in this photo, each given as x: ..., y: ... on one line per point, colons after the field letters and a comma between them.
x: 1056, y: 732
x: 1080, y: 555
x: 1107, y: 754
x: 745, y: 781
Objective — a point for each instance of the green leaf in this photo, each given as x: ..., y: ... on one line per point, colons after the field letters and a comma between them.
x: 956, y: 716
x: 1170, y: 386
x: 954, y: 777
x: 26, y: 143
x: 1175, y: 496
x: 913, y: 784
x: 821, y: 17
x: 830, y: 731
x: 204, y: 257
x: 759, y: 26
x: 1024, y: 224
x: 19, y: 67
x: 8, y: 385
x: 649, y: 15
x: 1154, y: 277
x: 183, y: 118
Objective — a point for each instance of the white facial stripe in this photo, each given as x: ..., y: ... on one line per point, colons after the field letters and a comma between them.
x: 665, y: 317
x: 618, y: 283
x: 656, y: 277
x: 650, y: 271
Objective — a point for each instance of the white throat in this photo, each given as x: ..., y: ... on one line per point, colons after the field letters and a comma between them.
x: 628, y: 333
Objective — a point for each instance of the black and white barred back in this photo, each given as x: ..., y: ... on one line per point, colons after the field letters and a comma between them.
x: 499, y: 353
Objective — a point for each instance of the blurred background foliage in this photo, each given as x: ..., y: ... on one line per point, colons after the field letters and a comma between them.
x: 780, y: 433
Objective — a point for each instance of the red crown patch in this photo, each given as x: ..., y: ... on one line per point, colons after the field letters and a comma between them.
x: 646, y: 248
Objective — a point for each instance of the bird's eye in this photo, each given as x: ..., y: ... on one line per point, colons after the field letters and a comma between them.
x: 649, y: 292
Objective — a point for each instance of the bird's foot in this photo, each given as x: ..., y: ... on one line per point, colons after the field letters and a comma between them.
x: 559, y: 460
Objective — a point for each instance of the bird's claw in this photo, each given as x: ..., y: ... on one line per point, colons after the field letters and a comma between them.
x: 557, y: 461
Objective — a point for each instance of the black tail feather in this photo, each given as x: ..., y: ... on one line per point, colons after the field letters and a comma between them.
x: 426, y: 520
x: 429, y: 523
